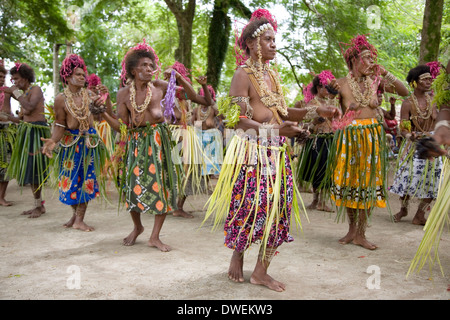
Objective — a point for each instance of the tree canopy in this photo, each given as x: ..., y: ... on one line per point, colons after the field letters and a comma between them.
x: 201, y: 34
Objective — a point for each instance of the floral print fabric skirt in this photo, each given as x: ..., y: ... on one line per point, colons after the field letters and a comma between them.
x: 253, y: 196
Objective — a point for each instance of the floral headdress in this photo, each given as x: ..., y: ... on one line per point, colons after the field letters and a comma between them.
x: 307, y: 94
x: 358, y: 45
x: 140, y: 46
x: 69, y: 64
x: 435, y: 68
x: 241, y: 57
x: 181, y: 69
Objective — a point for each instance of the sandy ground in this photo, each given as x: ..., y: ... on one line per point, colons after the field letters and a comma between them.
x: 42, y: 260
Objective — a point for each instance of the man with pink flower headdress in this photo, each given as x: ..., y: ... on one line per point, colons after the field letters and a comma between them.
x: 359, y: 164
x: 30, y: 166
x: 79, y: 161
x: 149, y: 179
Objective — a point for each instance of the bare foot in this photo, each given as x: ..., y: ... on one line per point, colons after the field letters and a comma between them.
x: 80, y: 225
x: 236, y: 269
x: 363, y: 242
x: 348, y: 238
x: 400, y: 215
x: 69, y: 223
x: 419, y: 221
x: 131, y: 238
x: 324, y: 207
x: 267, y: 281
x: 31, y: 211
x: 158, y: 244
x: 35, y: 213
x: 182, y: 213
x: 5, y: 203
x: 312, y: 206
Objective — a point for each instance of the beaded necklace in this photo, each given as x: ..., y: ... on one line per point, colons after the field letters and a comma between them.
x: 268, y: 97
x: 362, y: 99
x: 142, y: 107
x: 82, y: 112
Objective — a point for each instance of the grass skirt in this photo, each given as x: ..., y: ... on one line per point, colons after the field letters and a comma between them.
x: 7, y: 139
x: 312, y: 163
x: 434, y: 227
x: 255, y: 193
x: 28, y: 165
x: 358, y: 166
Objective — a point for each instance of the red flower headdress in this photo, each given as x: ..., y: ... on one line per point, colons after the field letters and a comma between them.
x: 69, y: 64
x: 140, y: 46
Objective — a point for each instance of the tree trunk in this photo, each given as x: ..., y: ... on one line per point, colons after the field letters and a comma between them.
x: 185, y: 19
x: 431, y: 31
x: 219, y: 36
x: 56, y: 47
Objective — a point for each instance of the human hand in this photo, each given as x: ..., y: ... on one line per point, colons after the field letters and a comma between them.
x: 202, y: 80
x: 288, y: 129
x: 329, y: 112
x: 48, y: 147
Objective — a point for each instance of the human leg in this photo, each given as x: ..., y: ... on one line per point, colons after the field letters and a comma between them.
x: 260, y: 275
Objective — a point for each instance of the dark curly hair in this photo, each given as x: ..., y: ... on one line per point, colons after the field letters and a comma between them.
x: 414, y: 73
x: 3, y: 69
x: 132, y: 60
x: 315, y: 84
x: 25, y: 71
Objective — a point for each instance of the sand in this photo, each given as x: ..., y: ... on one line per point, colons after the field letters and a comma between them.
x: 42, y: 260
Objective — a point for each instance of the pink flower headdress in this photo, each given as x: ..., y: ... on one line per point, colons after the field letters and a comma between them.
x: 140, y: 46
x: 240, y: 54
x: 69, y: 64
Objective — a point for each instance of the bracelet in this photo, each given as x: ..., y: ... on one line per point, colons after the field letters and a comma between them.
x: 311, y: 113
x: 390, y: 78
x: 442, y: 123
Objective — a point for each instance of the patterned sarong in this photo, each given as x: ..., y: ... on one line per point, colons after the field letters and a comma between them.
x: 80, y: 160
x: 416, y: 177
x: 151, y: 175
x: 28, y: 164
x: 359, y: 165
x: 255, y: 193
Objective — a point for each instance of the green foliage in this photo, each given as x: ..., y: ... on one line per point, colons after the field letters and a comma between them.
x: 308, y: 40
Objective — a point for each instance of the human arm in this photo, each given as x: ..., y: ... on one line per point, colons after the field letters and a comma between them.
x: 391, y: 84
x: 27, y: 105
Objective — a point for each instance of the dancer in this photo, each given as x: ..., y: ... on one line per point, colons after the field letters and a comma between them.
x: 184, y: 134
x: 28, y: 166
x: 312, y: 164
x: 358, y: 167
x: 428, y: 148
x: 416, y: 177
x: 149, y: 179
x: 79, y: 164
x: 7, y: 136
x: 255, y: 192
